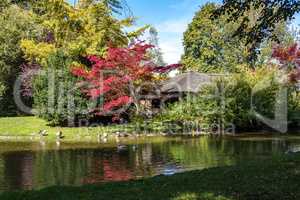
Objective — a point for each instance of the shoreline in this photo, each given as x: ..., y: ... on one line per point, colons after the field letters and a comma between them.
x: 18, y: 129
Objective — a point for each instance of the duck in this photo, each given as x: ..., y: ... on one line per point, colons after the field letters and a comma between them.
x: 43, y: 133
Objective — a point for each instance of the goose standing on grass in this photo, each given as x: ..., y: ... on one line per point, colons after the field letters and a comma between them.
x: 43, y: 133
x: 59, y: 135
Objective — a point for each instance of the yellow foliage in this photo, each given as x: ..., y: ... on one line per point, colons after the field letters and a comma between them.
x: 85, y: 29
x: 37, y: 51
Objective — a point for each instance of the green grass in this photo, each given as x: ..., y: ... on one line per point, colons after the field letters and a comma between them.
x: 28, y: 127
x: 273, y: 179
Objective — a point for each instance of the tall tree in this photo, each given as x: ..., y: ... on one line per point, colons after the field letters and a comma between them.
x: 117, y: 6
x: 85, y: 29
x: 209, y: 46
x: 16, y: 24
x: 271, y: 12
x: 155, y: 52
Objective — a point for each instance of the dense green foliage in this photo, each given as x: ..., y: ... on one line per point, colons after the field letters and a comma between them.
x: 269, y: 14
x: 16, y: 24
x: 209, y: 45
x: 232, y: 100
x: 70, y: 34
x: 267, y: 179
x: 56, y: 97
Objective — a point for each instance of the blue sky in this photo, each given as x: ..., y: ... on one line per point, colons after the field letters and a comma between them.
x: 171, y: 18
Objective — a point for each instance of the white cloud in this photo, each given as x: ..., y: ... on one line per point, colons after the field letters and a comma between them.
x: 172, y: 49
x: 174, y: 26
x: 171, y: 37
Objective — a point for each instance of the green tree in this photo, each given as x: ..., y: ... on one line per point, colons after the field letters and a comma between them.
x: 209, y: 46
x: 56, y: 98
x: 155, y: 52
x: 16, y: 24
x: 270, y: 14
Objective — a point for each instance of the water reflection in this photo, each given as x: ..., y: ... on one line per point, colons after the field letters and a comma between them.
x: 38, y: 169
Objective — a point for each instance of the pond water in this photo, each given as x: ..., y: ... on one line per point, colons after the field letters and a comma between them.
x: 34, y: 165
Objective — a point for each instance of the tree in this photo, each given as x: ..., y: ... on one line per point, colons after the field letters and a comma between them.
x: 270, y: 13
x: 114, y: 76
x: 209, y: 46
x: 117, y: 6
x: 16, y: 24
x: 79, y: 31
x: 55, y: 95
x: 155, y: 52
x: 113, y: 79
x: 289, y: 58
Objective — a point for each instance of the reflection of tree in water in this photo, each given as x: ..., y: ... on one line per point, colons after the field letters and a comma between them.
x: 38, y: 169
x: 18, y: 165
x: 210, y: 152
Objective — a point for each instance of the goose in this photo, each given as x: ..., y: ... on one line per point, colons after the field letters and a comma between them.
x: 104, y: 136
x: 43, y: 133
x: 59, y: 135
x: 122, y: 134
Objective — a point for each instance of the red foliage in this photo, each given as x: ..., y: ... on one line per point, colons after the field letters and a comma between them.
x: 112, y: 76
x: 165, y: 69
x: 289, y: 57
x: 294, y: 76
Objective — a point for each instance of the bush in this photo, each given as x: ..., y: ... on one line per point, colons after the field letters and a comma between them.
x: 55, y: 95
x: 233, y: 100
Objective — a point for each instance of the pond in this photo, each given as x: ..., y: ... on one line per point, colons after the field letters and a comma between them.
x: 29, y: 165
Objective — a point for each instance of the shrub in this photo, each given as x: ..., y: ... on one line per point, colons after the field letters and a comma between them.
x: 233, y: 100
x: 55, y: 95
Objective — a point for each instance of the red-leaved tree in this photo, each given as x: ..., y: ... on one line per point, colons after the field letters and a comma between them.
x: 289, y: 58
x: 113, y: 78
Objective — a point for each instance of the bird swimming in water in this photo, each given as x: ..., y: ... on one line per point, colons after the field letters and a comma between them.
x: 122, y: 148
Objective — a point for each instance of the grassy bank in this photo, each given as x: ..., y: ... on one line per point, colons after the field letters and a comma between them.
x: 278, y: 179
x: 28, y: 128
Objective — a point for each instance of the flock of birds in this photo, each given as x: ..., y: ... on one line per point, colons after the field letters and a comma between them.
x: 101, y: 138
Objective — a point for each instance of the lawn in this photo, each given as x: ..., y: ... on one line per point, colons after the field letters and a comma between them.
x: 28, y: 128
x: 276, y: 178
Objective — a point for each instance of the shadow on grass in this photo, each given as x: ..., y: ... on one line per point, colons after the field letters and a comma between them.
x: 273, y: 179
